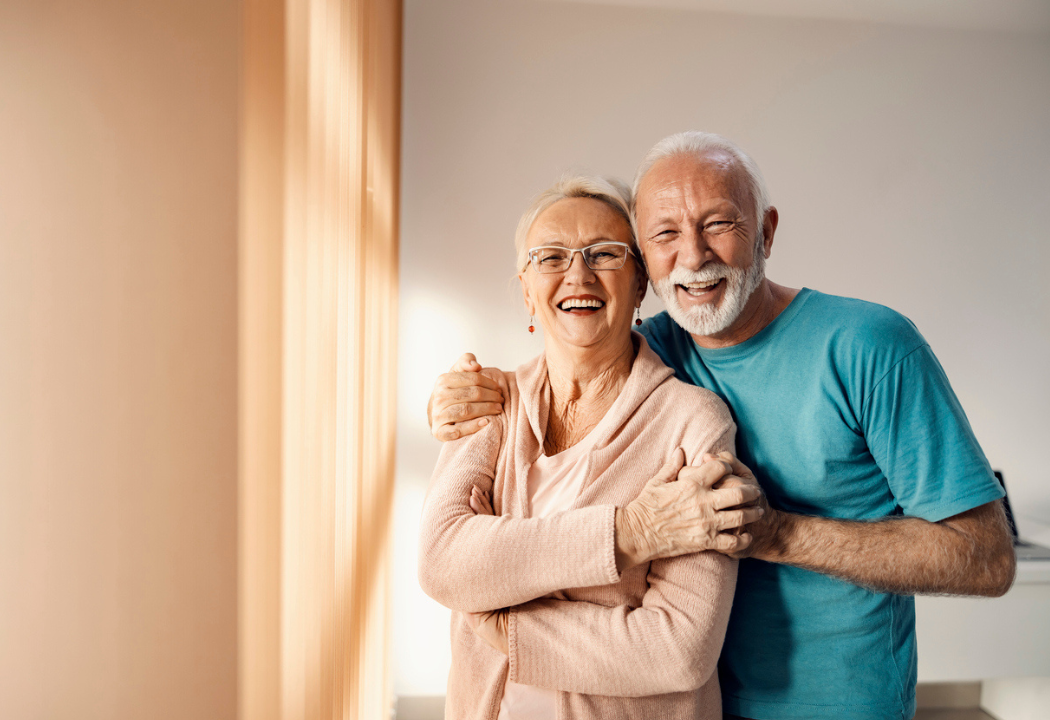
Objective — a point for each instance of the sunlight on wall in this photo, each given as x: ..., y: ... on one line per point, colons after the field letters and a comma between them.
x: 423, y: 656
x: 433, y: 333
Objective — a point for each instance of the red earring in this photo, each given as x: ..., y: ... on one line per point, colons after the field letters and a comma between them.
x: 532, y: 328
x: 638, y: 316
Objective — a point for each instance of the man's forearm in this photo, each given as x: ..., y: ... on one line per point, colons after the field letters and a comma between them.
x: 969, y: 554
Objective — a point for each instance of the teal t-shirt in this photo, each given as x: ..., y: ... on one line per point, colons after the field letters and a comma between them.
x: 842, y: 411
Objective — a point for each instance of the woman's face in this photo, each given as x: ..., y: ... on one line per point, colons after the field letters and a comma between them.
x: 612, y: 295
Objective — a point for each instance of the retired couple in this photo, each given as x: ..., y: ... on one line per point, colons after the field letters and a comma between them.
x: 607, y: 554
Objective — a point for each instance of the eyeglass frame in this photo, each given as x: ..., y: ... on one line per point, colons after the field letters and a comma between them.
x: 572, y: 256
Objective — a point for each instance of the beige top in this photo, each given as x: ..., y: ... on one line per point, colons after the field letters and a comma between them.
x: 644, y: 643
x: 555, y: 481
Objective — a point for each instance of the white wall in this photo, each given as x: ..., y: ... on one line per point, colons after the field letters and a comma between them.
x: 909, y: 166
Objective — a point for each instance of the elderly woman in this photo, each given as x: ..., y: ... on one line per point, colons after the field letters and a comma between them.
x: 585, y: 425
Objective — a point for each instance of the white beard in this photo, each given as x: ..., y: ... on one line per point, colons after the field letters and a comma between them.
x: 711, y: 319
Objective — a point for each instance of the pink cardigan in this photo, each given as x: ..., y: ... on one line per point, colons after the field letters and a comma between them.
x: 643, y: 644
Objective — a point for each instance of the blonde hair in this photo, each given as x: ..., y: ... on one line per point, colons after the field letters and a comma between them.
x: 613, y: 193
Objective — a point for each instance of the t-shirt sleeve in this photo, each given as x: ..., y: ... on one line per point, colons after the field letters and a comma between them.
x: 921, y: 440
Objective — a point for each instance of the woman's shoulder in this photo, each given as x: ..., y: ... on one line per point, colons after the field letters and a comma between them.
x: 505, y: 378
x: 693, y: 405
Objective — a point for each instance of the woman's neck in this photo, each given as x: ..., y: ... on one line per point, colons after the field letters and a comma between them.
x: 584, y: 384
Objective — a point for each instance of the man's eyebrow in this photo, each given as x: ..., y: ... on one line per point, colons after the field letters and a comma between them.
x: 663, y: 220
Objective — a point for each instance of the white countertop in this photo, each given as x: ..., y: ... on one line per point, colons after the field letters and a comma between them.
x: 1033, y: 571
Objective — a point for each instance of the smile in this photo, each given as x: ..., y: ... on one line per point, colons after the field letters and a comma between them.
x: 580, y: 305
x: 701, y: 289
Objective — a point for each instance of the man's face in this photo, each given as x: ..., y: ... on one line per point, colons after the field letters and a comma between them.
x: 701, y: 240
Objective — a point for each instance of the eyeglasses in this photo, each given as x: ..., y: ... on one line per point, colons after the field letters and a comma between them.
x: 600, y: 256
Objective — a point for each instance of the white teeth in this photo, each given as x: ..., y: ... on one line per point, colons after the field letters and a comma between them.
x: 579, y: 303
x: 700, y: 285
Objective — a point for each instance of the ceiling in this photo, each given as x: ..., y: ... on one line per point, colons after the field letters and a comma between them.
x: 1027, y: 16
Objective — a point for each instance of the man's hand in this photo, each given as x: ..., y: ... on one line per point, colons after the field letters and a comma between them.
x: 967, y: 554
x: 463, y: 398
x: 681, y: 511
x: 491, y: 627
x: 764, y: 531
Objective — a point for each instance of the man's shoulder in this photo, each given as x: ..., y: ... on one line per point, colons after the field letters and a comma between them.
x: 855, y: 324
x: 667, y: 338
x: 660, y: 328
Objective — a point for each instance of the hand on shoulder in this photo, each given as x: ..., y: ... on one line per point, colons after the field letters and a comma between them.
x: 465, y: 398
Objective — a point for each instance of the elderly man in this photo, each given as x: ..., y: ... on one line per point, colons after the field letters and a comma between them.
x: 877, y: 489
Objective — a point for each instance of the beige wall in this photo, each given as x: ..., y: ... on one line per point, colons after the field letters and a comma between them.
x: 908, y: 164
x: 118, y: 211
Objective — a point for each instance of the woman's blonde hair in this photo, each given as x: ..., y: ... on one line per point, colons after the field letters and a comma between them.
x: 613, y: 193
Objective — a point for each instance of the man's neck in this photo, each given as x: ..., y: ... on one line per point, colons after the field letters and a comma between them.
x: 762, y: 308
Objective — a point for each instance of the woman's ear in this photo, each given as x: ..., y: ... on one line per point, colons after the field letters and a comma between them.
x: 643, y: 283
x: 530, y: 308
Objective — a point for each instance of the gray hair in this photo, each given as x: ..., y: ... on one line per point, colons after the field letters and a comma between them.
x: 698, y: 144
x: 613, y: 193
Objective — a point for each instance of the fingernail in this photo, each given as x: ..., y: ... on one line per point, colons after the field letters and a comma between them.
x: 483, y: 422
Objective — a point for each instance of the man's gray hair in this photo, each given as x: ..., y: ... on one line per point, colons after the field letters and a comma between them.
x: 613, y: 193
x: 698, y: 144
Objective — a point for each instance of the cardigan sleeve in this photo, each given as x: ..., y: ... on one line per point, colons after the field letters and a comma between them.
x: 670, y: 643
x: 475, y: 563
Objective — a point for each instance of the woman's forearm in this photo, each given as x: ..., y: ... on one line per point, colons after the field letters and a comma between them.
x: 475, y: 563
x: 669, y: 644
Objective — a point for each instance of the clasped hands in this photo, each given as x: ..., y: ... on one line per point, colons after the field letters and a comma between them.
x: 717, y: 505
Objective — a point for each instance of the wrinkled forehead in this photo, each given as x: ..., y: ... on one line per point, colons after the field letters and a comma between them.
x: 577, y: 222
x: 682, y: 180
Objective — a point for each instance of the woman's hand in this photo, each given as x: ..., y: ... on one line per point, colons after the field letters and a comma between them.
x: 480, y: 502
x: 491, y: 626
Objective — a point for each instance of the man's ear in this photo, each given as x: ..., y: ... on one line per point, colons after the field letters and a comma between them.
x: 769, y: 229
